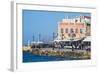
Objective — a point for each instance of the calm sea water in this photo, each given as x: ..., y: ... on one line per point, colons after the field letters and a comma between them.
x: 29, y: 57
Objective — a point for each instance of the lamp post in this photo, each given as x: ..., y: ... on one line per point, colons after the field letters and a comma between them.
x: 33, y: 38
x: 33, y: 45
x: 39, y: 37
x: 53, y: 39
x: 39, y: 40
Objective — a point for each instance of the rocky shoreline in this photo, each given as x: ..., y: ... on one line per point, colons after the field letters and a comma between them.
x: 63, y: 53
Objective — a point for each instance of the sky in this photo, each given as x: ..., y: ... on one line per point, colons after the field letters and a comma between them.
x: 43, y: 23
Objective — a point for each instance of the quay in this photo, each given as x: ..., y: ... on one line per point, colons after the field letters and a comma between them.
x: 59, y: 52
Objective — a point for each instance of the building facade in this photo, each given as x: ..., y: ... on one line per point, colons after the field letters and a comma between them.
x: 73, y: 28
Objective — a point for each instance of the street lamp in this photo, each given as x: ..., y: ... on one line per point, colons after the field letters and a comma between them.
x: 53, y: 39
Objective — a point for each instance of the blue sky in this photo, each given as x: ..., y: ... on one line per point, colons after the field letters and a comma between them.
x: 37, y: 22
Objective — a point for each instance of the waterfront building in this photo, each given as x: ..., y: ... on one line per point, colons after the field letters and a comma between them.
x: 73, y: 28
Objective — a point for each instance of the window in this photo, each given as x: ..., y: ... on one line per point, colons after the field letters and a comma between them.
x: 81, y: 31
x: 74, y: 35
x: 66, y: 30
x: 69, y: 35
x: 71, y: 30
x: 61, y: 30
x: 76, y: 20
x: 76, y: 30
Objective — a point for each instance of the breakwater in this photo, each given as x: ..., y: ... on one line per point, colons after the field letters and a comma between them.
x: 83, y: 54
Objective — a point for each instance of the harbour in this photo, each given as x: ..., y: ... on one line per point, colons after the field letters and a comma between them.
x: 62, y: 37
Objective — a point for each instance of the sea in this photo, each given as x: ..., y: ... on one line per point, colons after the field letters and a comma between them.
x: 29, y: 57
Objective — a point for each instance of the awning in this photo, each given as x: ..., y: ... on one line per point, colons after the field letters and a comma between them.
x: 65, y: 40
x: 87, y: 38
